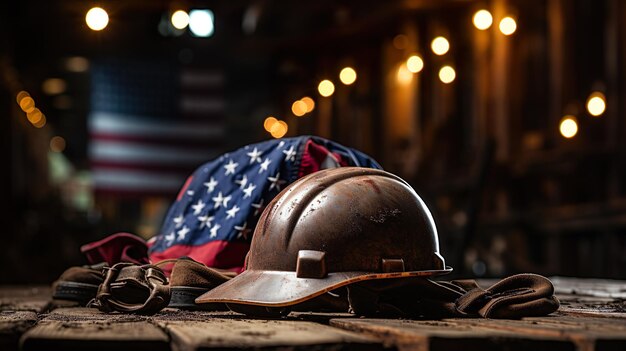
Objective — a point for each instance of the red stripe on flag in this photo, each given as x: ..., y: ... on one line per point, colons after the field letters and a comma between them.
x: 215, y: 254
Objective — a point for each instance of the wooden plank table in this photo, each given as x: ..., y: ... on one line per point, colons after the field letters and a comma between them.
x: 592, y: 317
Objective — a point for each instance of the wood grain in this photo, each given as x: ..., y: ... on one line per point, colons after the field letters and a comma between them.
x: 88, y: 329
x: 266, y: 334
x: 450, y: 335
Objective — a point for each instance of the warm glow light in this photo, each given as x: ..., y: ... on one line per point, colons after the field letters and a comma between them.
x: 201, y: 23
x: 53, y: 86
x: 299, y: 108
x: 22, y: 94
x: 269, y: 122
x: 76, y: 64
x: 310, y: 104
x: 347, y: 75
x: 27, y: 104
x: 97, y: 18
x: 400, y: 41
x: 482, y: 19
x: 440, y: 45
x: 447, y: 74
x: 57, y: 144
x: 568, y: 127
x: 596, y: 104
x: 508, y: 26
x: 180, y: 19
x: 279, y: 129
x: 404, y: 76
x: 415, y: 64
x: 326, y: 88
x: 41, y: 123
x: 34, y: 116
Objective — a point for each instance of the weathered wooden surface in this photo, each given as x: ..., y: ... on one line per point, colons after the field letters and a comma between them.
x: 12, y: 325
x: 449, y: 335
x: 592, y: 317
x: 220, y: 333
x: 88, y: 329
x: 20, y: 298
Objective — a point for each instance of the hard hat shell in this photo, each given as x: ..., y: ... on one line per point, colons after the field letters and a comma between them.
x: 330, y: 229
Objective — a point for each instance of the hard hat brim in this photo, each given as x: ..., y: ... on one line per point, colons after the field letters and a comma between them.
x: 278, y: 288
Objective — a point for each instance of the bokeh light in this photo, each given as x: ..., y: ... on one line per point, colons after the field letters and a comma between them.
x: 568, y: 127
x: 447, y: 74
x: 440, y: 46
x: 310, y: 104
x: 57, y: 144
x: 27, y: 104
x: 596, y: 104
x: 180, y: 19
x: 22, y: 94
x: 404, y: 76
x: 269, y: 122
x: 76, y: 64
x: 97, y: 18
x: 34, y: 116
x: 53, y: 86
x: 415, y: 64
x: 279, y: 129
x: 326, y: 88
x: 482, y: 19
x: 347, y: 75
x: 201, y: 23
x: 299, y: 108
x: 41, y: 123
x: 400, y: 41
x: 508, y: 26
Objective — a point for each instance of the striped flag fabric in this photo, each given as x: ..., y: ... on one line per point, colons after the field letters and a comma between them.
x: 150, y: 125
x: 216, y: 211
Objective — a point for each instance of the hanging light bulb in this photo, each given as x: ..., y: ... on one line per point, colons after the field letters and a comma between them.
x: 97, y: 18
x: 482, y: 19
x: 568, y: 126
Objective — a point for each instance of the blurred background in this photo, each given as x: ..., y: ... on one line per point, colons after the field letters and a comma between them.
x: 507, y: 116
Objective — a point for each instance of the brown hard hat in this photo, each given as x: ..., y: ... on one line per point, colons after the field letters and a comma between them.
x: 330, y: 229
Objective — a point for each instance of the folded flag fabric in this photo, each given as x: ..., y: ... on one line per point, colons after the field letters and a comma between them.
x: 216, y: 210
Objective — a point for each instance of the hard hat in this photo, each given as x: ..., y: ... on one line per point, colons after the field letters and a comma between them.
x: 333, y: 228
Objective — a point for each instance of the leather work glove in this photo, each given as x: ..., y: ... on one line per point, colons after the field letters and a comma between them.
x: 132, y: 288
x: 517, y: 296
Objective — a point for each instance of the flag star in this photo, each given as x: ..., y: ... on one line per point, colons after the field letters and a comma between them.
x: 255, y: 155
x: 243, y: 230
x: 275, y: 182
x: 230, y: 167
x: 281, y: 144
x: 290, y: 155
x: 214, y: 230
x: 183, y: 232
x: 210, y: 185
x: 197, y: 208
x: 170, y: 237
x: 242, y: 182
x: 232, y: 212
x: 205, y: 221
x: 258, y: 207
x: 190, y: 192
x: 220, y: 200
x: 248, y: 191
x: 178, y: 221
x: 264, y: 165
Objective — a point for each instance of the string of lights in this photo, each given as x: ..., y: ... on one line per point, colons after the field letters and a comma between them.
x: 200, y: 23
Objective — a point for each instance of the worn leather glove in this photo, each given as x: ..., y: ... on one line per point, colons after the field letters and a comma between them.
x: 517, y: 296
x: 132, y: 288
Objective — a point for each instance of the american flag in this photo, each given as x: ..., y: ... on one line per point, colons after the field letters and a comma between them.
x: 151, y: 124
x: 214, y: 215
